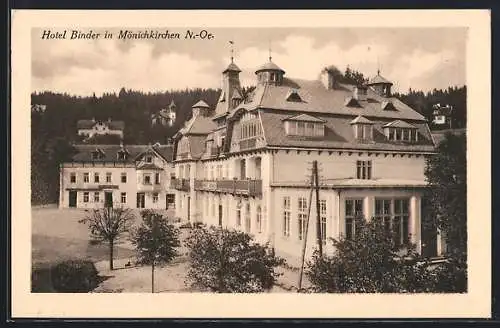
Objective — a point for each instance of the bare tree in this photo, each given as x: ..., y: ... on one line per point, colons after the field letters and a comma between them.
x: 107, y: 225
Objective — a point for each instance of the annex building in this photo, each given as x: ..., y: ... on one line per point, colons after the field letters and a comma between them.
x: 246, y: 163
x: 132, y: 176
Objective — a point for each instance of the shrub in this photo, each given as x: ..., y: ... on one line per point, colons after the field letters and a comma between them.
x: 229, y: 261
x: 74, y: 276
x: 41, y: 279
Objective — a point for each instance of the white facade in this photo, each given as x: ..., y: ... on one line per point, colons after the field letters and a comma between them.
x: 144, y: 182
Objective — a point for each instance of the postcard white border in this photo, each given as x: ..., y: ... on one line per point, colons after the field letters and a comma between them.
x: 475, y: 304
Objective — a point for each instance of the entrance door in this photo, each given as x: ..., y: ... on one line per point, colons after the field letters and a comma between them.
x: 220, y: 215
x: 108, y: 199
x: 141, y: 200
x: 72, y: 199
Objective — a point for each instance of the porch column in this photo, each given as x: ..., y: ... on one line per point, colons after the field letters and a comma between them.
x: 415, y: 222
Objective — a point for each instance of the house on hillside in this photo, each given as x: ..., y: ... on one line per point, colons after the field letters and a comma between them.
x: 165, y: 116
x: 93, y: 127
x: 38, y: 108
x: 133, y: 176
x: 442, y: 115
x: 248, y: 165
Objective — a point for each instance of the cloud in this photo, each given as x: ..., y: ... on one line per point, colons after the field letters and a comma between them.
x: 415, y: 58
x: 101, y: 66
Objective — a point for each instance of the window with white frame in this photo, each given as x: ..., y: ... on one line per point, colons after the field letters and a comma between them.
x: 146, y: 179
x: 108, y: 177
x: 86, y: 197
x: 96, y: 177
x: 363, y: 131
x: 286, y: 215
x: 308, y: 129
x: 250, y: 129
x: 353, y: 213
x: 123, y: 197
x: 86, y: 177
x: 123, y: 177
x: 363, y: 169
x: 155, y: 197
x: 401, y: 134
x: 258, y: 219
x: 248, y: 218
x: 301, y: 217
x: 96, y: 197
x: 148, y: 159
x: 395, y: 215
x: 323, y: 213
x: 72, y: 177
x: 157, y: 178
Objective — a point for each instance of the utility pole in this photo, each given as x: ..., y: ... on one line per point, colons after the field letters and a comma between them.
x: 318, y: 218
x: 304, y: 243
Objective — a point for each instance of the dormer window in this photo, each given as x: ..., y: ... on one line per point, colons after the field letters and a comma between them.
x: 401, y: 131
x: 305, y: 125
x: 293, y: 95
x: 363, y: 128
x: 351, y: 102
x: 97, y: 154
x: 387, y: 105
x: 122, y: 155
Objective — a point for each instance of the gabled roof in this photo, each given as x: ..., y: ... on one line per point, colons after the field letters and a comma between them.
x: 89, y: 124
x: 84, y: 152
x: 304, y: 118
x: 399, y: 124
x: 318, y: 99
x: 339, y: 134
x: 201, y: 104
x: 361, y: 120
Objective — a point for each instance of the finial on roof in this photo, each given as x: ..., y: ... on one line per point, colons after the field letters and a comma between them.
x: 270, y: 51
x: 232, y: 50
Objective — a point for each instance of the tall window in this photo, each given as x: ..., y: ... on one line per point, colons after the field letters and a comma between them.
x: 72, y: 177
x: 258, y: 218
x: 322, y: 212
x: 86, y: 197
x: 96, y: 177
x: 247, y: 218
x: 238, y: 216
x: 123, y: 177
x: 155, y: 197
x: 395, y: 214
x: 301, y: 216
x: 108, y: 177
x: 96, y: 197
x: 353, y: 212
x: 157, y: 178
x: 286, y: 216
x: 364, y: 169
x: 86, y: 177
x: 147, y: 179
x: 123, y: 197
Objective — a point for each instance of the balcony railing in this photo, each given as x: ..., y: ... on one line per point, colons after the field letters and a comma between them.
x: 237, y: 187
x: 180, y: 184
x: 150, y: 187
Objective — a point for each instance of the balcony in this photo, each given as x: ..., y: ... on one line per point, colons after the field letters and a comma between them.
x: 214, y: 151
x: 150, y: 187
x: 180, y: 184
x: 183, y: 155
x: 236, y: 187
x: 248, y: 144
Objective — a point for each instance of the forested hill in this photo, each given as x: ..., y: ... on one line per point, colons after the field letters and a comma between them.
x: 132, y: 107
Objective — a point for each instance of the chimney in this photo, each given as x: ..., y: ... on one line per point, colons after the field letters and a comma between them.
x: 328, y: 78
x: 360, y: 93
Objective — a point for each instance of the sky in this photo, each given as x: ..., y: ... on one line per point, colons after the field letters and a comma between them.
x: 416, y: 58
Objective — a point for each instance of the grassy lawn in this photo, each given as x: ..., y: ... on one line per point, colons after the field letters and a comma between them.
x: 57, y: 235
